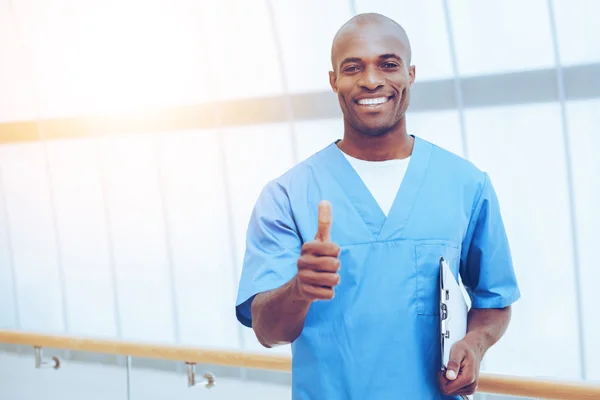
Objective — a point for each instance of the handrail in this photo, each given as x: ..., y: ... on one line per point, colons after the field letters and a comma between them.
x: 161, y: 351
x: 488, y: 383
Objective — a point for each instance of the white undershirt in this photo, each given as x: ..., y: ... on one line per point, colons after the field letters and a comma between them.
x: 382, y: 178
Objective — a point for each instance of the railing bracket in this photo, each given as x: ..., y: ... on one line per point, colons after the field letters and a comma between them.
x: 191, y: 375
x: 54, y: 362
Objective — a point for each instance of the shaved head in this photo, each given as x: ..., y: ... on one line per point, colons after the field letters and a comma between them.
x: 372, y: 75
x: 362, y: 22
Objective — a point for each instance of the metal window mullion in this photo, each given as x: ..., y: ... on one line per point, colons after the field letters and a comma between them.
x: 562, y: 98
x: 168, y: 242
x: 352, y: 7
x: 456, y: 79
x: 10, y: 253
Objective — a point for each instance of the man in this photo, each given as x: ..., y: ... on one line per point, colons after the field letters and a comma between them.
x: 357, y: 295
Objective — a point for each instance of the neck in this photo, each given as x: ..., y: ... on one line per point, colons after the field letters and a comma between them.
x: 395, y: 144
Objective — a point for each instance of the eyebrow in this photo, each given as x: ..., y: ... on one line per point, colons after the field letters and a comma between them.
x: 390, y: 55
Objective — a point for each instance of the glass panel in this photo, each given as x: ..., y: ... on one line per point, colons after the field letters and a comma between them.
x: 501, y: 36
x: 584, y: 125
x: 157, y: 380
x: 16, y: 91
x: 39, y: 29
x: 123, y: 68
x: 441, y: 128
x: 242, y: 53
x: 425, y: 25
x: 522, y: 148
x: 8, y: 294
x: 205, y: 276
x: 307, y: 51
x: 138, y: 232
x: 81, y: 375
x: 254, y: 155
x: 578, y: 30
x: 83, y: 232
x: 313, y: 136
x: 82, y: 67
x: 30, y: 222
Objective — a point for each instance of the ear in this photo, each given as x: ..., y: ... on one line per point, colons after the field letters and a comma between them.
x: 412, y: 73
x: 333, y: 81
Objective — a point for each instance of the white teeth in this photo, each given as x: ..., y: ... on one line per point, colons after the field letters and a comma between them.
x: 370, y: 102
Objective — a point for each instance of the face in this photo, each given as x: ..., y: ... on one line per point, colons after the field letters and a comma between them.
x: 372, y: 78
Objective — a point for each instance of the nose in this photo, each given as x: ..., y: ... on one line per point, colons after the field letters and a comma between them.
x: 371, y: 79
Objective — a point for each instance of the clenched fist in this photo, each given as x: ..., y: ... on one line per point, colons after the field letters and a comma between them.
x: 318, y: 263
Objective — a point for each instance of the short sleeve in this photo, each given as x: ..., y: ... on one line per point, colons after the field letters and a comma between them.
x: 486, y: 263
x: 272, y: 249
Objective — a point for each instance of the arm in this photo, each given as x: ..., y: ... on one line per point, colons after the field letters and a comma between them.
x: 486, y: 326
x: 278, y: 315
x: 487, y: 271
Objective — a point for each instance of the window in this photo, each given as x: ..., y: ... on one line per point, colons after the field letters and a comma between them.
x: 426, y: 28
x: 501, y: 36
x: 35, y: 259
x: 306, y: 30
x: 578, y: 31
x: 84, y: 239
x: 201, y: 243
x: 522, y: 149
x: 584, y: 124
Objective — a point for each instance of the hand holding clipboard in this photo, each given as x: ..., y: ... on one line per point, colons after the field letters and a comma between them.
x: 453, y: 314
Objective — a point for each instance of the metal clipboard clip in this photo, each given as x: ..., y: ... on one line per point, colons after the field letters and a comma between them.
x: 444, y: 297
x: 444, y: 316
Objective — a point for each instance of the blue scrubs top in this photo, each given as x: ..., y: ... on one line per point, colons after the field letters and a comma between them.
x: 378, y: 338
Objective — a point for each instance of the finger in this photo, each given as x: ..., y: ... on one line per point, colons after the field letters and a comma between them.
x: 459, y: 386
x: 323, y: 279
x: 467, y: 390
x: 457, y: 355
x: 316, y: 263
x: 324, y: 220
x: 466, y: 378
x: 317, y: 292
x: 446, y: 387
x: 320, y: 249
x: 442, y: 382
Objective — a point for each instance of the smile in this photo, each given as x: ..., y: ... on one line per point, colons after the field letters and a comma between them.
x: 373, y: 102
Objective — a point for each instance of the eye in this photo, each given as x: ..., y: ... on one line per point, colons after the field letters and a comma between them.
x: 351, y: 69
x: 390, y: 65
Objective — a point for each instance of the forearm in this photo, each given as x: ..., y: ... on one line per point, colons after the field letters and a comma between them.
x: 486, y: 326
x: 278, y: 315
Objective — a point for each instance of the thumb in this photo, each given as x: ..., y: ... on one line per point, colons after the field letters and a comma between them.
x: 453, y: 365
x: 324, y: 219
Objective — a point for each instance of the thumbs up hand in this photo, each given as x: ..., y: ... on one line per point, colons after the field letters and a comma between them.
x: 318, y: 263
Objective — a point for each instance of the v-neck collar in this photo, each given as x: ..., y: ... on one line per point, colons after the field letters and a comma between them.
x: 360, y: 196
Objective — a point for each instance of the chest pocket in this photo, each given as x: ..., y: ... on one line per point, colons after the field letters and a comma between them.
x: 427, y: 263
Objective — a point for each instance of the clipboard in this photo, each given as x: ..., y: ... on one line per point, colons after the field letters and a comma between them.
x: 453, y: 313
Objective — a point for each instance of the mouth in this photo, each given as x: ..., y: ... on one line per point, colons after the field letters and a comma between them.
x: 373, y: 102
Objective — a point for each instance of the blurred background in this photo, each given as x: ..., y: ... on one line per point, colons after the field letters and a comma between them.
x: 135, y: 137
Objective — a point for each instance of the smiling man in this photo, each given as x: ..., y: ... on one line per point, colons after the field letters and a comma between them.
x: 357, y: 296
